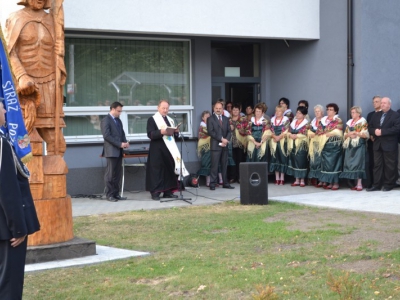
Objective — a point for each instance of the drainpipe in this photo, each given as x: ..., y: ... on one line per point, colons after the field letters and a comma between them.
x: 350, y: 63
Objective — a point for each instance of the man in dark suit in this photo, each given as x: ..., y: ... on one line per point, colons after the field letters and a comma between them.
x: 219, y: 130
x: 18, y: 218
x: 385, y: 127
x: 114, y: 143
x: 376, y: 102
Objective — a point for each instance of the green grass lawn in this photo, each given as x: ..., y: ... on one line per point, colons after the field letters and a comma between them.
x: 224, y: 251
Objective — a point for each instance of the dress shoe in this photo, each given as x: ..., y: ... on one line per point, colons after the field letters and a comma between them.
x: 228, y: 186
x: 373, y: 189
x: 118, y: 197
x: 212, y: 187
x: 386, y: 189
x: 112, y: 199
x: 155, y: 196
x: 295, y: 183
x: 302, y: 184
x: 335, y: 188
x: 282, y: 182
x: 169, y: 195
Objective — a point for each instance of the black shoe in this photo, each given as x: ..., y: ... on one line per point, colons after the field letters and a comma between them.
x: 155, y: 196
x: 169, y: 195
x: 212, y: 187
x: 385, y: 189
x: 228, y: 186
x: 118, y: 197
x: 112, y: 199
x: 373, y: 189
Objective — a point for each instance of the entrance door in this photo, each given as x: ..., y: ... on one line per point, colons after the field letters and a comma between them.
x: 243, y: 93
x: 218, y: 91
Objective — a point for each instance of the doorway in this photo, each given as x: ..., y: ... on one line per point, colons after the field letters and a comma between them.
x: 235, y: 71
x: 244, y: 94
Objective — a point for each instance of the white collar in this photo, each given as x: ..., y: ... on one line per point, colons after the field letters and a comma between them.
x: 284, y: 119
x: 350, y: 122
x: 253, y: 119
x: 324, y: 119
x: 287, y: 111
x: 293, y: 124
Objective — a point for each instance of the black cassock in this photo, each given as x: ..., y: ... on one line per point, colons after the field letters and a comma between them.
x: 160, y: 170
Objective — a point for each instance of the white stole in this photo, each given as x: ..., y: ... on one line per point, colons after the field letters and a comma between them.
x: 171, y: 145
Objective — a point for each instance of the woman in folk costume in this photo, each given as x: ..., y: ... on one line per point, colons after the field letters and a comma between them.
x: 330, y: 132
x: 356, y: 137
x: 258, y: 133
x: 315, y: 156
x: 239, y: 141
x: 203, y: 148
x: 278, y: 145
x: 285, y: 103
x: 297, y: 144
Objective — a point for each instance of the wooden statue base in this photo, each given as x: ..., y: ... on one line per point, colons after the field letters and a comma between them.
x: 55, y: 216
x: 75, y: 248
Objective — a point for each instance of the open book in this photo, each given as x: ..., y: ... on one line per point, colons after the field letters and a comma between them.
x: 171, y: 130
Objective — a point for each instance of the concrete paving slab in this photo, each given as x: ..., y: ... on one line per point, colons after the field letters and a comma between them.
x: 103, y: 254
x: 382, y: 202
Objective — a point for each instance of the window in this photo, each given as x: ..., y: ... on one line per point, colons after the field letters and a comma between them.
x: 137, y: 73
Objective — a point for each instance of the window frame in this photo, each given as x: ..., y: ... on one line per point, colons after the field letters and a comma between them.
x: 128, y: 110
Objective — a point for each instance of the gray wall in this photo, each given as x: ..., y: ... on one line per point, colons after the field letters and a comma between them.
x: 314, y: 70
x: 376, y: 52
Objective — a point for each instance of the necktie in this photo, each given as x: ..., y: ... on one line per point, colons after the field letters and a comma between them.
x: 220, y: 119
x: 383, y: 118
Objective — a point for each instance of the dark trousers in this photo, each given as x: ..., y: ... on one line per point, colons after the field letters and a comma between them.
x: 369, y: 165
x: 238, y: 156
x: 218, y: 157
x: 385, y: 168
x: 12, y: 266
x: 113, y: 175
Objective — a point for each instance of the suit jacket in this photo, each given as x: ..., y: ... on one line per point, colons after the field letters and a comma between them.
x: 17, y: 211
x: 217, y: 132
x: 113, y: 136
x: 390, y: 130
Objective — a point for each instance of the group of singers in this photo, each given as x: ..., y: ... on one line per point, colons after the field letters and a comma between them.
x: 320, y: 149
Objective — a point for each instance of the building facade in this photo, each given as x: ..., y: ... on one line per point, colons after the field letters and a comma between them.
x: 138, y: 52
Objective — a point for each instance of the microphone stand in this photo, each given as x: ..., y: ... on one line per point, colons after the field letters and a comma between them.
x: 187, y: 200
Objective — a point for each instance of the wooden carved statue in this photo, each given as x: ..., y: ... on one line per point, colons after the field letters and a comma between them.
x: 35, y: 43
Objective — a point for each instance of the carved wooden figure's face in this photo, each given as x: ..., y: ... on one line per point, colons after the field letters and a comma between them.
x: 36, y: 4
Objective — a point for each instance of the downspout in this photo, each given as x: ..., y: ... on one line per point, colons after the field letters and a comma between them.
x: 350, y: 62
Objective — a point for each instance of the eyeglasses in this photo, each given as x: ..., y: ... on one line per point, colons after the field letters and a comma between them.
x: 328, y: 109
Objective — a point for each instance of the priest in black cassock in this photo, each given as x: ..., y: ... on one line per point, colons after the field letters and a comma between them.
x: 163, y: 163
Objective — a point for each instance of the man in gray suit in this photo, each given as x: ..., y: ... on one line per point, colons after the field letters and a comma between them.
x: 114, y: 142
x: 219, y: 130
